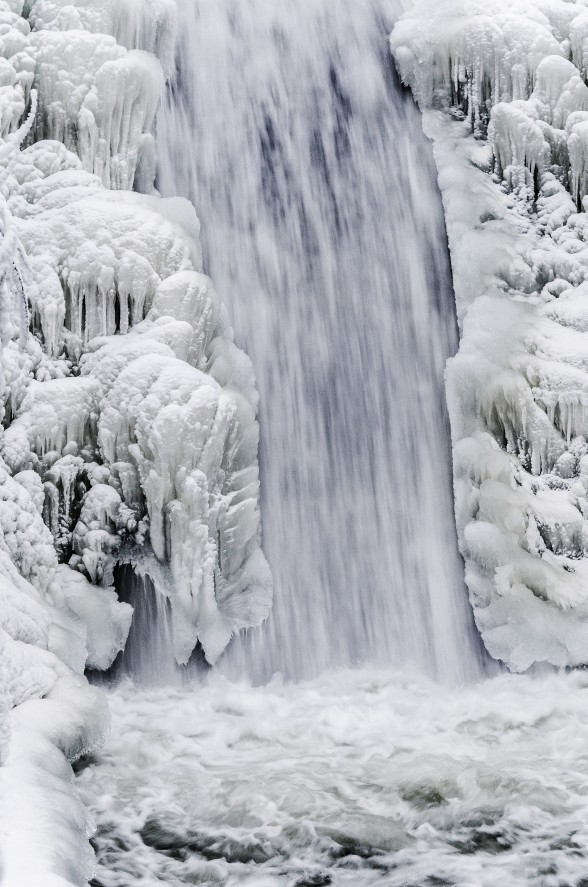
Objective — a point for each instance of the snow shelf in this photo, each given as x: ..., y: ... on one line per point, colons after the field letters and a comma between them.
x: 503, y: 90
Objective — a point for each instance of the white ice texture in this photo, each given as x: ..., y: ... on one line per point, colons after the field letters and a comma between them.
x: 513, y: 171
x: 129, y: 415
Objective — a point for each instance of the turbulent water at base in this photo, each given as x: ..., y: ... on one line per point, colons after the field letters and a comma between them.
x: 324, y: 235
x: 356, y: 779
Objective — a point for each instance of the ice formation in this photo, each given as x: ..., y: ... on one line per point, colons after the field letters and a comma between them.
x: 129, y: 427
x: 513, y: 171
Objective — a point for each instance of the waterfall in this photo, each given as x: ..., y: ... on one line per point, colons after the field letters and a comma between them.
x: 324, y: 235
x: 323, y: 232
x: 148, y: 654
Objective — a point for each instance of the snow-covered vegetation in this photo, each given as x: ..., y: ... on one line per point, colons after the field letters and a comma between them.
x: 503, y: 88
x: 129, y: 427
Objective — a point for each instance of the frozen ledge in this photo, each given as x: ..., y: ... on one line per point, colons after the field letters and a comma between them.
x: 502, y: 87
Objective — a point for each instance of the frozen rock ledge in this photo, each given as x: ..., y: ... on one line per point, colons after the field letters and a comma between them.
x: 129, y: 415
x: 502, y: 84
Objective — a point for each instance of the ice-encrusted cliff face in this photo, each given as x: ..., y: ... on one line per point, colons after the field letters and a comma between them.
x: 129, y: 415
x: 513, y: 173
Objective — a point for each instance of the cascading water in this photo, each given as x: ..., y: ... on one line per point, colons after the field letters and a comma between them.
x: 148, y: 654
x: 323, y: 232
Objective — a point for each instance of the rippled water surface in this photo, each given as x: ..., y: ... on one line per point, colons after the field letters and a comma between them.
x: 357, y: 778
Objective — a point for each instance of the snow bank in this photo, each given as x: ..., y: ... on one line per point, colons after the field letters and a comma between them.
x: 129, y: 414
x: 513, y: 171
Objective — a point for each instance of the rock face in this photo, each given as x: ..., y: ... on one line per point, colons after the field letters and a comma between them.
x: 502, y: 85
x: 129, y: 415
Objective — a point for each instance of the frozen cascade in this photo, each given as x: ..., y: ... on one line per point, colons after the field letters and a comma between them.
x: 323, y: 231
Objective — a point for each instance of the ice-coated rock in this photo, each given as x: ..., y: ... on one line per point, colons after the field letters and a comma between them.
x: 129, y: 413
x: 116, y: 285
x: 512, y: 77
x: 135, y: 24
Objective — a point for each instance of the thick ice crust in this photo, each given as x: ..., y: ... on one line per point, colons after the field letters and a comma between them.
x: 513, y: 172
